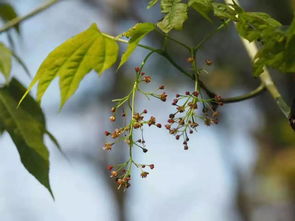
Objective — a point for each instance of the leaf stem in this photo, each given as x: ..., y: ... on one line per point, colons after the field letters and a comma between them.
x: 251, y: 94
x: 12, y: 23
x: 210, y: 35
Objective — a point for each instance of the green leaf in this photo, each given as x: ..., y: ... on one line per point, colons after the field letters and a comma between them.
x: 26, y: 126
x: 252, y: 25
x: 8, y: 13
x: 278, y: 50
x: 136, y: 34
x: 152, y: 3
x: 5, y: 61
x: 203, y: 7
x: 71, y: 61
x: 224, y: 11
x: 176, y: 14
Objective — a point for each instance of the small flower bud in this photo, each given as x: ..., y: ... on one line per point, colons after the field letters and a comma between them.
x: 107, y: 133
x: 163, y: 97
x: 112, y: 118
x: 162, y: 87
x: 113, y: 109
x: 114, y: 173
x: 196, y: 93
x: 144, y: 174
x: 110, y: 167
x: 159, y: 125
x: 147, y: 79
x: 152, y: 166
x: 208, y: 62
x: 107, y: 146
x: 137, y: 69
x: 190, y: 59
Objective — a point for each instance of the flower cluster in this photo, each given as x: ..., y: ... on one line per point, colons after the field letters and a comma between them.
x: 184, y: 120
x: 128, y: 133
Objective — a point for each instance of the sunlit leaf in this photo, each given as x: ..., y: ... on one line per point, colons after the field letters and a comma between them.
x: 136, y: 33
x: 5, y: 61
x: 26, y: 126
x: 203, y: 7
x: 224, y: 11
x: 176, y: 14
x: 71, y: 61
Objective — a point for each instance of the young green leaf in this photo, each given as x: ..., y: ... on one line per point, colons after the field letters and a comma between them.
x: 176, y: 15
x: 5, y: 61
x: 136, y: 34
x: 152, y: 3
x: 203, y: 7
x: 278, y: 50
x: 224, y: 11
x: 71, y: 61
x: 26, y: 126
x: 252, y: 25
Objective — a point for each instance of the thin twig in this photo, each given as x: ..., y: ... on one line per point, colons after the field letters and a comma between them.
x: 14, y: 22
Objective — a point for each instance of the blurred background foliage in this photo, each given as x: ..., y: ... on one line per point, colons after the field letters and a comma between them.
x: 269, y: 192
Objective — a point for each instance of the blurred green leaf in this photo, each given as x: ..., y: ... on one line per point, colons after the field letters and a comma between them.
x: 72, y: 60
x: 176, y: 14
x: 251, y: 25
x: 8, y: 13
x: 203, y: 7
x: 5, y: 61
x: 278, y: 46
x: 26, y: 126
x: 136, y: 34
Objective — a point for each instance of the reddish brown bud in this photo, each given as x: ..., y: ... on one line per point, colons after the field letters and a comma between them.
x: 196, y: 93
x: 147, y: 79
x: 110, y: 167
x: 159, y: 125
x: 113, y: 109
x: 163, y: 96
x: 152, y: 121
x: 107, y: 133
x: 162, y: 87
x: 152, y: 166
x: 137, y: 69
x: 208, y: 62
